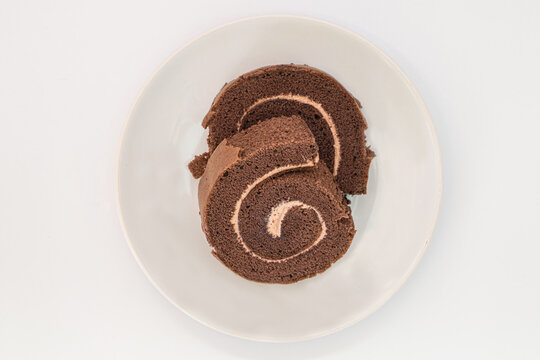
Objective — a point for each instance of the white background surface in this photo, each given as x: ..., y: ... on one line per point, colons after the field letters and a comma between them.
x: 70, y: 288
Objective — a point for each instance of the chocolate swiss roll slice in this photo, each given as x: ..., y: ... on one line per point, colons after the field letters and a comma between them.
x: 270, y: 210
x: 330, y: 111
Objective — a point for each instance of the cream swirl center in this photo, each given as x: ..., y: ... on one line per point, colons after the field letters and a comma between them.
x: 277, y: 213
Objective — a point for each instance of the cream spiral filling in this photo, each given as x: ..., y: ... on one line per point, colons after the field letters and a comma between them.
x: 304, y: 100
x: 277, y: 214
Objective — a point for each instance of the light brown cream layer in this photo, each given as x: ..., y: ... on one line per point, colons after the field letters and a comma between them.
x: 278, y: 213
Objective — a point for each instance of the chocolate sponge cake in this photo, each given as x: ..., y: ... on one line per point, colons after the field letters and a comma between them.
x: 332, y: 114
x: 270, y: 210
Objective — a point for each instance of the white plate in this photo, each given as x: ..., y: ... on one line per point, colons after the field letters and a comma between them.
x: 158, y: 201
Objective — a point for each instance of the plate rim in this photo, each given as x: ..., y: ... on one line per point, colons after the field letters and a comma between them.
x: 427, y: 120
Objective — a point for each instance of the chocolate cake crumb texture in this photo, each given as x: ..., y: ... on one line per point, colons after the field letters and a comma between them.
x: 270, y: 209
x: 198, y: 164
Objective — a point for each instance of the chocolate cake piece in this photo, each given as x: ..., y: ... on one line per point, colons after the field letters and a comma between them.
x: 331, y: 112
x: 270, y: 210
x: 198, y: 164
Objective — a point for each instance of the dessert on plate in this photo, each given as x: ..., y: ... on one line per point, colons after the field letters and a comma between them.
x: 285, y: 144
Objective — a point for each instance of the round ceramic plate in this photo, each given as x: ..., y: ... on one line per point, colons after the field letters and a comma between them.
x: 158, y: 197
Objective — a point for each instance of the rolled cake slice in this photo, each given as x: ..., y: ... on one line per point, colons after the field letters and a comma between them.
x: 270, y: 210
x: 330, y: 111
